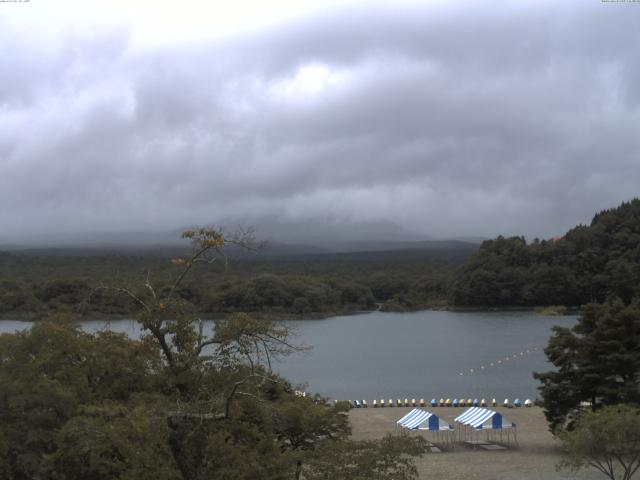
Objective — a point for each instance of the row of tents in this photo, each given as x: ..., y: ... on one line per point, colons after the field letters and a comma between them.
x: 471, y: 423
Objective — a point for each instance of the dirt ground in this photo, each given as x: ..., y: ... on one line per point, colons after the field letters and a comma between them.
x: 535, y: 456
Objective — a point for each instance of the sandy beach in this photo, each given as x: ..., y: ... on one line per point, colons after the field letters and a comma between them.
x: 535, y: 457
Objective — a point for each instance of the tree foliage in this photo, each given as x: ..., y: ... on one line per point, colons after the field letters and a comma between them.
x: 387, y: 459
x: 607, y: 440
x: 597, y: 361
x: 586, y: 265
x: 50, y: 375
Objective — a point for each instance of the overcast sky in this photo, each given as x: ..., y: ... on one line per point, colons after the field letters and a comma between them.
x: 448, y: 118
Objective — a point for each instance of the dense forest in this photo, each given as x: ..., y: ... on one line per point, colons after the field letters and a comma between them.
x: 36, y: 284
x: 586, y: 265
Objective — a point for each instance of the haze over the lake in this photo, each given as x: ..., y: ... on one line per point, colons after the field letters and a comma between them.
x: 449, y: 118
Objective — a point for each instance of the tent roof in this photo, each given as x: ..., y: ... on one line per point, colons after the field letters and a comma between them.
x: 414, y: 418
x: 409, y: 415
x: 477, y: 417
x: 417, y: 417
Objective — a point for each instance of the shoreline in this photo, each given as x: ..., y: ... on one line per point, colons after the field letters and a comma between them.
x: 280, y: 316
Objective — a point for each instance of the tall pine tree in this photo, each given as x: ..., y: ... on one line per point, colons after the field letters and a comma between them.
x: 597, y: 361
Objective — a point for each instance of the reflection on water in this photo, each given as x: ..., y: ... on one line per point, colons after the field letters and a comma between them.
x: 419, y: 354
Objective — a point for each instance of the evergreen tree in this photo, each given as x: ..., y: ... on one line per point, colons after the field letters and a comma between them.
x: 597, y: 361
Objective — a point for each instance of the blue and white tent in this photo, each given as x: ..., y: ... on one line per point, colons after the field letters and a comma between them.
x: 421, y: 420
x: 483, y: 418
x: 418, y: 419
x: 477, y: 419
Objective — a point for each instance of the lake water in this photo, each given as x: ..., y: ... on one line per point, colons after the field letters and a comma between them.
x: 423, y: 354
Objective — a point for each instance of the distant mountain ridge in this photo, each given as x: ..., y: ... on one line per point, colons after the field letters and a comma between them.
x: 322, y: 232
x: 282, y: 238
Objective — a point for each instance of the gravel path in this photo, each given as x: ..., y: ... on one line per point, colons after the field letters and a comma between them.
x: 535, y: 457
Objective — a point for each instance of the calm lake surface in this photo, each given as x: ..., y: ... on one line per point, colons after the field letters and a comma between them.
x: 416, y: 355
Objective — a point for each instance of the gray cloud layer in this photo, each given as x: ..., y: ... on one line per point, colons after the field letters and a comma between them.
x: 453, y: 119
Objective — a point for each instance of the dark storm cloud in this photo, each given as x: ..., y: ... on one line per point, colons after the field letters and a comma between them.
x: 453, y: 119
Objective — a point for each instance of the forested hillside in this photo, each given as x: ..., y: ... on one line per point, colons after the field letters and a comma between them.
x: 586, y: 265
